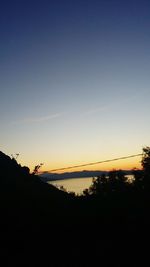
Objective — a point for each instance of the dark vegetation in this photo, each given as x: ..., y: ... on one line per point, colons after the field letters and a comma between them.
x: 37, y: 218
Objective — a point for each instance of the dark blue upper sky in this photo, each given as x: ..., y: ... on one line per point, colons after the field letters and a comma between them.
x: 72, y: 72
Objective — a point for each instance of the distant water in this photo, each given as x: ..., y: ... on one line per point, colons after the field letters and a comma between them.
x: 76, y: 185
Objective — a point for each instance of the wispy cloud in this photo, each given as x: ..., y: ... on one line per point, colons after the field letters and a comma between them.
x: 38, y: 119
x: 105, y: 108
x: 96, y: 110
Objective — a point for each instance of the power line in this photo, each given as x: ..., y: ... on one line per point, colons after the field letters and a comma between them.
x: 94, y: 163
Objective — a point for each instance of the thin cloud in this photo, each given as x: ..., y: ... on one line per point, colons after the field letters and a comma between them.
x: 39, y: 119
x: 96, y: 110
x: 123, y: 101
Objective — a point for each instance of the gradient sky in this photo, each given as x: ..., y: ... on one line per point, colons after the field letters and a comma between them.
x: 74, y: 81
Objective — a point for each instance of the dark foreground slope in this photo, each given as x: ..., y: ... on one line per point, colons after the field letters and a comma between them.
x: 32, y: 213
x: 26, y: 201
x: 41, y: 225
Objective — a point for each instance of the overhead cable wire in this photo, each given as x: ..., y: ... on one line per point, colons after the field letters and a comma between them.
x: 94, y: 163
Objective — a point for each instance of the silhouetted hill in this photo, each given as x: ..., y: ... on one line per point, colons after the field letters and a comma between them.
x: 13, y: 175
x: 40, y: 220
x: 25, y: 196
x: 47, y: 176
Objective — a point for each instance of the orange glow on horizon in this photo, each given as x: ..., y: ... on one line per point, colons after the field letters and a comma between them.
x: 127, y: 164
x: 64, y: 162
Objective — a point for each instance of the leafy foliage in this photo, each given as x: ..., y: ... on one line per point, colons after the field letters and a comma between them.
x: 116, y: 182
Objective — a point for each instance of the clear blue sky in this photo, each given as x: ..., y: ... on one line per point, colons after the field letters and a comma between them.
x: 74, y: 80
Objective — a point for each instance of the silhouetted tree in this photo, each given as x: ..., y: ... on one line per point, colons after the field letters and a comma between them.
x: 146, y: 160
x: 36, y: 168
x: 138, y: 179
x: 142, y: 177
x: 99, y: 185
x: 25, y: 170
x: 116, y: 181
x: 86, y: 192
x: 146, y: 167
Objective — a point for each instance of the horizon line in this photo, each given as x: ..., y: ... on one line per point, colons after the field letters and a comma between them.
x: 94, y: 163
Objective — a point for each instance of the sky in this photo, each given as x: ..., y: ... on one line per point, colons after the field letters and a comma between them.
x: 74, y: 81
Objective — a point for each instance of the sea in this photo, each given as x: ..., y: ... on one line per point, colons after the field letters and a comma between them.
x: 76, y: 185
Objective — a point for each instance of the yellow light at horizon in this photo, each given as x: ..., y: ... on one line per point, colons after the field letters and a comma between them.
x: 58, y: 163
x: 127, y: 164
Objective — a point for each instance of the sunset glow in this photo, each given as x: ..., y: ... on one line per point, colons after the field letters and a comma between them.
x: 74, y: 82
